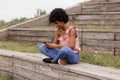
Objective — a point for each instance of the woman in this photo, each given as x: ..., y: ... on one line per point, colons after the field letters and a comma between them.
x: 65, y: 48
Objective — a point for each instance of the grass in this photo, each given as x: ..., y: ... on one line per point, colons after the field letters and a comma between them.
x: 2, y: 27
x: 89, y: 27
x: 18, y: 46
x: 94, y: 27
x: 98, y: 27
x: 101, y: 59
x: 6, y: 78
x: 87, y: 57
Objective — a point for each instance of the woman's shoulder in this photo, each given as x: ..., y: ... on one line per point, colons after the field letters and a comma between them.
x: 71, y: 28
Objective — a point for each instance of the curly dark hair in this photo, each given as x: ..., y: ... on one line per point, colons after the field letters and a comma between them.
x: 58, y: 14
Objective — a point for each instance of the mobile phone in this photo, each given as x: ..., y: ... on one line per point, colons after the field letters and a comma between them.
x: 44, y: 42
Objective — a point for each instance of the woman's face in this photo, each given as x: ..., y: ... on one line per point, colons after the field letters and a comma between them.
x: 59, y: 24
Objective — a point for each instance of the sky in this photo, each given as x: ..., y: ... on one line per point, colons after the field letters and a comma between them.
x: 11, y: 9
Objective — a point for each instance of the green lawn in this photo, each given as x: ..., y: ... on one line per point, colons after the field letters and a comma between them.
x: 6, y: 78
x: 2, y: 27
x: 97, y: 27
x: 22, y: 47
x: 102, y: 59
x: 89, y: 27
x: 87, y: 57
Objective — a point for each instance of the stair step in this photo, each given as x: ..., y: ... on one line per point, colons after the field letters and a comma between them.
x: 101, y: 2
x: 111, y: 19
x: 105, y: 4
x: 100, y: 16
x: 30, y: 35
x: 114, y: 0
x: 100, y: 13
x: 101, y: 7
x: 98, y: 22
x: 29, y: 38
x: 30, y: 32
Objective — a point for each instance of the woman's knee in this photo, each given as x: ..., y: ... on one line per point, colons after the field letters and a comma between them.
x: 65, y: 49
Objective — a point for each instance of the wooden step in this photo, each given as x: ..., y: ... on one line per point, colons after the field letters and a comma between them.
x: 30, y: 32
x: 102, y: 16
x: 30, y: 35
x: 101, y: 7
x: 114, y: 0
x: 103, y: 19
x: 99, y: 23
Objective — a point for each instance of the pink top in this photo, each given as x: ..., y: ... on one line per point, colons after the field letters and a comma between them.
x: 64, y: 40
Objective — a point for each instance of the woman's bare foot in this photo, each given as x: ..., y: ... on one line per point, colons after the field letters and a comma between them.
x: 62, y: 62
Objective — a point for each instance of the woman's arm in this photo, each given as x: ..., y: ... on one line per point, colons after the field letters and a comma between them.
x: 72, y: 36
x: 57, y: 34
x: 55, y: 43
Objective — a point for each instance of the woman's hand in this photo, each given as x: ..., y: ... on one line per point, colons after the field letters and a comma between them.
x: 51, y: 45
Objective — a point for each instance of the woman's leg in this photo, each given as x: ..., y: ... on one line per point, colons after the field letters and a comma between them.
x: 50, y: 52
x: 67, y: 53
